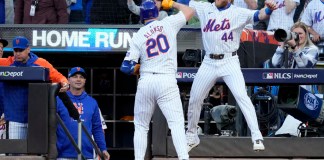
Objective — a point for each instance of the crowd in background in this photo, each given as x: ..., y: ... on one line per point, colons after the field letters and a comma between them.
x: 127, y: 12
x: 101, y: 11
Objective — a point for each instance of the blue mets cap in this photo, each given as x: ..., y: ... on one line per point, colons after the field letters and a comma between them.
x: 20, y: 42
x: 76, y: 70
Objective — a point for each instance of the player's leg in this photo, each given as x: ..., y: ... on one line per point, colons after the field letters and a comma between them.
x: 143, y: 111
x: 204, y: 80
x: 170, y: 104
x: 235, y: 81
x: 18, y: 130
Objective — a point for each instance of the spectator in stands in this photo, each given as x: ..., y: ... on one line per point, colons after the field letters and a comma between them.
x: 136, y: 9
x: 313, y: 18
x: 301, y: 54
x: 283, y: 17
x: 41, y: 12
x: 16, y: 101
x: 89, y: 115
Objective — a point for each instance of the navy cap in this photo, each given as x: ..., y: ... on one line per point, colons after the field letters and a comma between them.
x: 4, y: 42
x: 20, y: 42
x: 76, y: 70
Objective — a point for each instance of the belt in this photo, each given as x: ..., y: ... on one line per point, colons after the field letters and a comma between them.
x: 220, y: 56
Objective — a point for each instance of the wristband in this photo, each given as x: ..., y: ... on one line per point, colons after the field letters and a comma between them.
x: 268, y: 11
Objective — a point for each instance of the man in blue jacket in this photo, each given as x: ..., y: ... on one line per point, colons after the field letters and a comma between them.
x: 89, y: 115
x: 15, y: 104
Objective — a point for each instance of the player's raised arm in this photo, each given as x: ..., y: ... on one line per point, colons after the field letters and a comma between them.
x: 265, y: 12
x: 187, y: 11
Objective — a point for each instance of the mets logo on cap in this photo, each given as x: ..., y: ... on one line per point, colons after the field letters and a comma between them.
x: 17, y: 41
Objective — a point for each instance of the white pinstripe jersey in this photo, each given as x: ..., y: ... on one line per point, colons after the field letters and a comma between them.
x: 240, y: 3
x: 280, y: 19
x: 314, y: 16
x: 156, y: 45
x: 221, y: 30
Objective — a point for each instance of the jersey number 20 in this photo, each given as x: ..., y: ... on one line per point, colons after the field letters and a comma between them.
x: 161, y: 42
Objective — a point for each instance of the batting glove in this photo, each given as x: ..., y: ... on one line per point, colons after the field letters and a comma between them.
x: 167, y: 4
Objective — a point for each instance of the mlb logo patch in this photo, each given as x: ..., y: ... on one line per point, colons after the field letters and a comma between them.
x: 267, y: 75
x: 179, y: 75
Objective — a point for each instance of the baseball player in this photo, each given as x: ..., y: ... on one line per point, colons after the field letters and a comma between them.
x: 156, y: 46
x: 313, y: 17
x: 221, y: 26
x: 283, y: 17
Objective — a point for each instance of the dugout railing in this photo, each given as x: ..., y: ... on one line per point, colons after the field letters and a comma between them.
x: 41, y: 136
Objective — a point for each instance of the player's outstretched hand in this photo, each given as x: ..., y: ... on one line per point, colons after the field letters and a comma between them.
x: 271, y: 4
x: 167, y: 4
x: 106, y: 155
x: 64, y: 87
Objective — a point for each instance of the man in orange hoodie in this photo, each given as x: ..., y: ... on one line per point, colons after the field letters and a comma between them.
x: 16, y: 99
